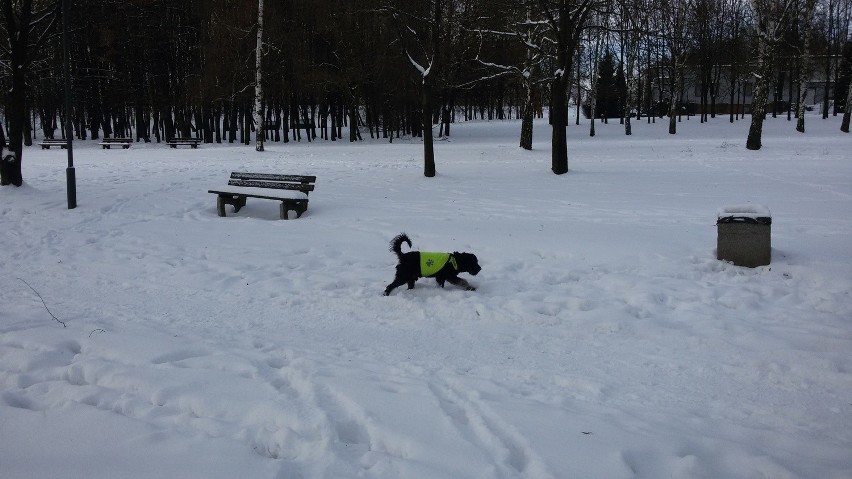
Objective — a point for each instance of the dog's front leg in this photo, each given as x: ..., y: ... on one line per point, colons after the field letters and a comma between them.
x: 462, y: 283
x: 411, y: 283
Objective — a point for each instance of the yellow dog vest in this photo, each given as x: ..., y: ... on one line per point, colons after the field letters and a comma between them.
x: 431, y: 263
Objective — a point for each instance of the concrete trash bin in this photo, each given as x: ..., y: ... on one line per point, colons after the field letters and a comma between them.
x: 743, y: 235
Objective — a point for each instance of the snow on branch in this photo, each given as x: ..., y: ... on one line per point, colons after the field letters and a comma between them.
x: 424, y: 71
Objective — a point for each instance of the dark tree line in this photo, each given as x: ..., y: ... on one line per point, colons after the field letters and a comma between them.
x: 344, y: 69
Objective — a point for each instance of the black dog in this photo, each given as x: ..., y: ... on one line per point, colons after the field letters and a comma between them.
x: 441, y: 266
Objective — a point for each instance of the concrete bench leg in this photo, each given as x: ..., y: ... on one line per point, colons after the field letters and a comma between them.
x: 286, y: 208
x: 220, y: 205
x: 239, y: 203
x: 222, y: 200
x: 301, y: 209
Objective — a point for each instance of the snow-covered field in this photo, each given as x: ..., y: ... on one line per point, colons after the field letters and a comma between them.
x: 604, y: 340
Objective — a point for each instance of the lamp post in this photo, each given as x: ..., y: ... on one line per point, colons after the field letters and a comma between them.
x: 70, y: 175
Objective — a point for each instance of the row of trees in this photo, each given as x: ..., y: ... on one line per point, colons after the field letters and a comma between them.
x: 230, y: 70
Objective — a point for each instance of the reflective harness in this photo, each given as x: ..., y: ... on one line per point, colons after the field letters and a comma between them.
x: 431, y: 263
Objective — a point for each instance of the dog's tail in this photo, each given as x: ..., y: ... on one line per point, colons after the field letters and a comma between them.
x: 396, y: 244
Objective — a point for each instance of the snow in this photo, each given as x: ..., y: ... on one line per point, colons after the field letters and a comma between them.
x: 744, y: 211
x: 604, y: 339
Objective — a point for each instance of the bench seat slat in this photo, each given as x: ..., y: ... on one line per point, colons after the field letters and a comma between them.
x: 260, y: 193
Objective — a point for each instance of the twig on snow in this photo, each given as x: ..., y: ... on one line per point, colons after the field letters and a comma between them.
x: 45, y: 304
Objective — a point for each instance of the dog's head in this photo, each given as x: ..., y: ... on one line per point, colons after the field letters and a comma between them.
x: 467, y: 263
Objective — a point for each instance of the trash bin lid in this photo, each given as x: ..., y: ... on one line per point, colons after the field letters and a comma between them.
x: 755, y: 214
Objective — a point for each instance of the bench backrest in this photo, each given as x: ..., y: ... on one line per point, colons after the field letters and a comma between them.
x: 239, y: 175
x: 268, y: 180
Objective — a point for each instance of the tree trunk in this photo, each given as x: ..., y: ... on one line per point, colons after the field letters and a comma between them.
x: 426, y: 119
x: 804, y: 71
x: 758, y: 102
x: 559, y: 119
x: 10, y: 167
x: 844, y: 126
x: 426, y: 100
x: 673, y: 107
x: 758, y: 106
x: 18, y: 26
x: 830, y: 40
x: 260, y: 131
x: 527, y: 121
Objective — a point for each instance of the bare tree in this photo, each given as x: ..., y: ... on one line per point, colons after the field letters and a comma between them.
x: 676, y: 36
x: 529, y: 34
x: 735, y: 12
x: 420, y: 38
x: 632, y: 14
x: 566, y: 19
x: 706, y: 28
x: 258, y: 86
x: 28, y: 23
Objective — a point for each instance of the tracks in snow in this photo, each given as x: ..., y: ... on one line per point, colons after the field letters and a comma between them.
x: 316, y: 421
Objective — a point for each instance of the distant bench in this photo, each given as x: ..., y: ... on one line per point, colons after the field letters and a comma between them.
x: 291, y: 190
x: 125, y: 143
x: 47, y: 143
x: 191, y: 142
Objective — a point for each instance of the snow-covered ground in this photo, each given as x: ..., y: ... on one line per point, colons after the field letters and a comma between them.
x: 604, y: 340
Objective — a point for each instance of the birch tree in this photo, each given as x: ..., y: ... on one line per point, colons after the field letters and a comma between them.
x: 594, y: 75
x: 769, y: 18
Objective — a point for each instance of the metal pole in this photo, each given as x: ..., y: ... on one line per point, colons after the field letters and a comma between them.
x: 70, y: 175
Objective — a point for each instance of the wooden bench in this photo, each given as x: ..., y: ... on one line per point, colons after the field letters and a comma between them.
x: 49, y: 142
x: 125, y: 143
x: 291, y: 190
x: 191, y: 142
